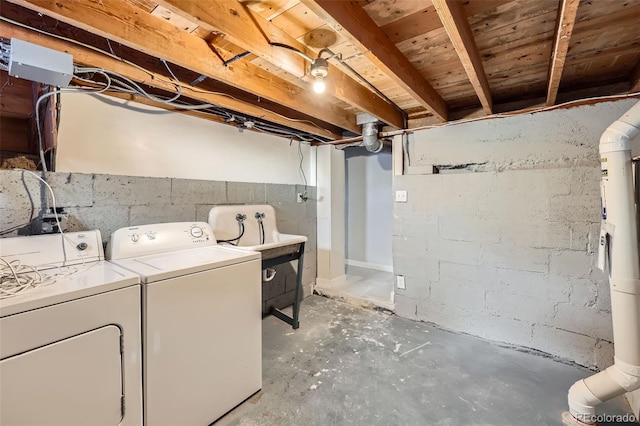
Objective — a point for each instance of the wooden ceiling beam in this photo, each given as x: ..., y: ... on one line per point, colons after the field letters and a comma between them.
x: 457, y: 26
x: 351, y: 20
x: 121, y: 22
x: 635, y: 79
x: 88, y: 57
x: 567, y: 12
x: 235, y: 21
x: 426, y: 20
x: 252, y: 32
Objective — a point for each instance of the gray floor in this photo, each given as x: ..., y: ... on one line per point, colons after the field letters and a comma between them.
x: 352, y: 366
x: 364, y: 287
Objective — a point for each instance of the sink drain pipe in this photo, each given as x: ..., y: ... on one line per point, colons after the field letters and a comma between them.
x: 618, y: 249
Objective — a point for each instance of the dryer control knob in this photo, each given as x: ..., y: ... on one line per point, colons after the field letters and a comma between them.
x: 151, y: 236
x: 82, y: 246
x: 135, y: 237
x: 196, y: 232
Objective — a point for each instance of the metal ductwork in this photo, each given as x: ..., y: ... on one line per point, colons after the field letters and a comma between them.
x: 370, y: 138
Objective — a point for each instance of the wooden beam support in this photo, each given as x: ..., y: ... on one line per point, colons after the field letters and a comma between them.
x: 351, y: 20
x: 235, y: 21
x: 457, y: 26
x: 88, y: 57
x: 635, y: 79
x: 426, y: 20
x: 121, y: 22
x: 567, y: 12
x: 252, y: 32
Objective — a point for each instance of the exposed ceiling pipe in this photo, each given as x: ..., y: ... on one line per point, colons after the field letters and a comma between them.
x: 370, y: 138
x: 618, y: 248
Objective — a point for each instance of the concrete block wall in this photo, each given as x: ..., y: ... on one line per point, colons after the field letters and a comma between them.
x: 506, y: 251
x: 109, y: 202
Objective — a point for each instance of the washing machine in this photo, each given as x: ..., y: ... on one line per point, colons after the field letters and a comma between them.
x: 201, y: 320
x: 70, y: 341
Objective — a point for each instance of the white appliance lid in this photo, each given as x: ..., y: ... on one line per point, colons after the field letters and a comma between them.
x: 70, y: 283
x: 157, y: 267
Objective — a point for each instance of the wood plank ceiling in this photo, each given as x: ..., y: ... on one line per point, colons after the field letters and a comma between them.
x: 406, y: 62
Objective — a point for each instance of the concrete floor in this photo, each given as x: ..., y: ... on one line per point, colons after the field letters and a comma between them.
x: 362, y: 287
x: 351, y: 366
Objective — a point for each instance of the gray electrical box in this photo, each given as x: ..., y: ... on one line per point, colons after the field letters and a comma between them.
x: 40, y: 64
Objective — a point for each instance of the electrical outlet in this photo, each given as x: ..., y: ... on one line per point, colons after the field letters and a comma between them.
x: 401, y: 196
x: 400, y: 282
x: 299, y: 198
x: 302, y: 196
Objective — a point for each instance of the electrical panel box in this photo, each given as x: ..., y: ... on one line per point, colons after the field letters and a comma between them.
x: 43, y: 65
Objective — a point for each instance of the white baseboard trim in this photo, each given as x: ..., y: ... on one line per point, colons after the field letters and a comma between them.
x: 375, y: 266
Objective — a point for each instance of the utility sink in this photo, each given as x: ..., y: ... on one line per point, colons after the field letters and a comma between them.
x: 228, y: 222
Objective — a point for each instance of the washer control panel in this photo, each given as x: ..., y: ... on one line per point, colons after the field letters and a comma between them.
x: 158, y: 238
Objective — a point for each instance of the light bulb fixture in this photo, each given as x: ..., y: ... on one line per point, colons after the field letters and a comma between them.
x: 319, y: 70
x: 319, y: 85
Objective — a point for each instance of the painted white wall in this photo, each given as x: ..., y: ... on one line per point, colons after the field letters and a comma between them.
x: 507, y: 250
x: 369, y: 208
x: 330, y: 214
x: 100, y: 134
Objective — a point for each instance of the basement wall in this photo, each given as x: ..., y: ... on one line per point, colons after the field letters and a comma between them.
x: 369, y: 208
x: 109, y: 202
x: 504, y: 247
x: 102, y: 134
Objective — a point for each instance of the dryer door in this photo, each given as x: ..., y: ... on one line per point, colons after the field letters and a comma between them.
x: 75, y: 381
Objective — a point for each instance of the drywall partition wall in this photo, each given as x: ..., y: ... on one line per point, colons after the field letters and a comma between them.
x: 330, y: 213
x: 369, y: 208
x: 502, y: 244
x: 100, y: 134
x: 109, y: 202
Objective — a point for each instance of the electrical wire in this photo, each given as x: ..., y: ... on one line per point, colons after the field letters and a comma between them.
x: 17, y: 279
x: 154, y: 76
x: 304, y: 177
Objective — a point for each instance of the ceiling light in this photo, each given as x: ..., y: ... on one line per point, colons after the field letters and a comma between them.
x: 319, y: 70
x: 319, y: 85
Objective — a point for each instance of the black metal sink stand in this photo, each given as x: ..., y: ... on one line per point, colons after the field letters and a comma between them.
x: 268, y: 263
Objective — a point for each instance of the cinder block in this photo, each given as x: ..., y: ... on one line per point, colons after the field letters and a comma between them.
x: 202, y: 212
x: 111, y: 190
x: 539, y: 234
x: 558, y: 182
x: 415, y: 226
x: 584, y: 292
x: 531, y: 284
x: 416, y: 288
x: 451, y: 294
x: 465, y: 227
x: 246, y: 193
x: 529, y: 309
x: 21, y: 191
x: 603, y: 301
x: 604, y: 354
x: 406, y: 307
x: 580, y: 237
x: 143, y: 215
x: 410, y: 246
x: 427, y: 268
x: 191, y: 191
x: 468, y: 275
x: 586, y: 181
x: 501, y: 329
x: 72, y: 189
x: 105, y: 218
x: 279, y: 193
x: 518, y: 258
x: 587, y: 321
x: 574, y: 208
x: 464, y: 252
x: 570, y: 263
x: 15, y: 222
x: 565, y: 344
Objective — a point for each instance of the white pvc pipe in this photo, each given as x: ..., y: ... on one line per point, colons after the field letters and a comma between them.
x: 619, y: 246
